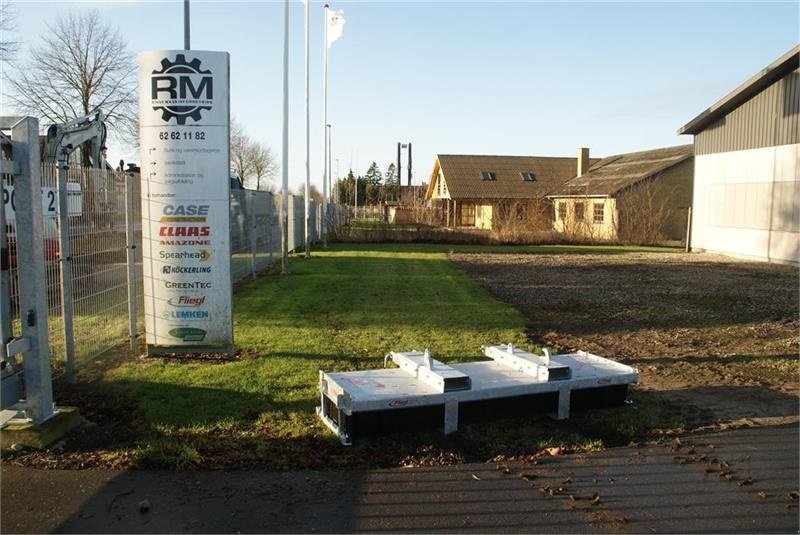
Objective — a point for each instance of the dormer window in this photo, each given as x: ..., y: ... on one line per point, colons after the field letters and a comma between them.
x: 528, y: 176
x: 488, y: 175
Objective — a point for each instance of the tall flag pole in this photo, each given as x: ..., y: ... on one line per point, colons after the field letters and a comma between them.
x: 308, y: 140
x: 334, y: 24
x: 326, y: 23
x: 285, y: 158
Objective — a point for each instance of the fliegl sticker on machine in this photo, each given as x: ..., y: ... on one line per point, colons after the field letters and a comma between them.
x: 184, y: 123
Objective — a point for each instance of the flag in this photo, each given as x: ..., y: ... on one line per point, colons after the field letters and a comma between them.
x: 335, y: 25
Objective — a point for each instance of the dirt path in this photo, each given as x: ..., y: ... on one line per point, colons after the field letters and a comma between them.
x: 708, y: 331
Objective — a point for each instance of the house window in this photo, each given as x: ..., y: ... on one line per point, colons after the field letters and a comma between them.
x: 599, y: 212
x: 467, y: 215
x: 488, y: 175
x: 578, y: 211
x: 521, y: 212
x: 562, y: 211
x: 439, y: 187
x: 528, y: 176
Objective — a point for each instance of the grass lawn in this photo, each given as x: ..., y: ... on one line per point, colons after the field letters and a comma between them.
x: 343, y: 309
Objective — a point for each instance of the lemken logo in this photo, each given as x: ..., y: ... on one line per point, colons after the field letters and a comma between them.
x: 186, y: 315
x: 181, y: 89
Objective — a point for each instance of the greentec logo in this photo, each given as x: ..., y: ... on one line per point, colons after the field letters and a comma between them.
x: 188, y: 334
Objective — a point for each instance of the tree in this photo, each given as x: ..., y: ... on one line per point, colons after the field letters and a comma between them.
x: 391, y: 183
x: 240, y: 162
x: 372, y: 187
x: 8, y: 25
x: 82, y: 65
x: 254, y: 162
x: 313, y: 193
x: 264, y: 164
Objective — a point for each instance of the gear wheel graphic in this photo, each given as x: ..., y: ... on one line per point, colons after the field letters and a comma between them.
x: 181, y: 113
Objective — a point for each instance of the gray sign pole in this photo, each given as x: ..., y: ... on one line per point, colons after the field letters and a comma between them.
x: 285, y: 155
x: 186, y: 24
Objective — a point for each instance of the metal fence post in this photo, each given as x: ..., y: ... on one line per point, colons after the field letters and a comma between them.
x: 65, y: 271
x: 130, y: 259
x: 252, y: 224
x: 30, y: 253
x: 6, y: 331
x: 270, y: 225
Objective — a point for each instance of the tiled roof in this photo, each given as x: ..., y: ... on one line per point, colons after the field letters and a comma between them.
x: 463, y: 175
x: 615, y: 173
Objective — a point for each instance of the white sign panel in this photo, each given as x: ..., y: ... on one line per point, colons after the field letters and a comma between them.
x: 49, y: 201
x: 184, y: 126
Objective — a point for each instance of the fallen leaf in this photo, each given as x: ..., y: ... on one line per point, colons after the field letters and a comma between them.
x: 763, y: 494
x: 527, y: 477
x: 475, y: 477
x: 748, y: 481
x: 595, y: 499
x: 144, y: 505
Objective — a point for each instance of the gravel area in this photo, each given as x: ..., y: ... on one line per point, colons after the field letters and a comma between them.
x: 716, y: 333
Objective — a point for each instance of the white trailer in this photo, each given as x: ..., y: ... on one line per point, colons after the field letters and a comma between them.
x: 425, y: 393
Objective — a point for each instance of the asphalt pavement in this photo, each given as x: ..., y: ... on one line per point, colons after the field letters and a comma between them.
x: 743, y: 480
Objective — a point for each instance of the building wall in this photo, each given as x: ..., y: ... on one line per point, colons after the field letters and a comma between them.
x: 483, y: 216
x: 606, y: 230
x: 768, y: 119
x: 747, y: 203
x: 666, y: 196
x: 440, y: 187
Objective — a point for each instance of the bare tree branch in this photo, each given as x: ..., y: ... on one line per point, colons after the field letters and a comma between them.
x: 254, y: 162
x: 8, y: 25
x: 82, y: 65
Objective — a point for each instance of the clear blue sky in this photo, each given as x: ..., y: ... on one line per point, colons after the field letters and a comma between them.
x: 466, y: 77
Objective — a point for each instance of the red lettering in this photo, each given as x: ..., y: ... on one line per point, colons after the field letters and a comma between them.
x: 185, y: 231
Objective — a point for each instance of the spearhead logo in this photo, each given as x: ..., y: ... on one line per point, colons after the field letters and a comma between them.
x: 181, y: 90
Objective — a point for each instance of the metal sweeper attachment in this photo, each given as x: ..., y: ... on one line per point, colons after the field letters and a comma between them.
x: 423, y: 393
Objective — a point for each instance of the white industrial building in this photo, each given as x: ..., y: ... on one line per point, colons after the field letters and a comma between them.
x: 746, y: 200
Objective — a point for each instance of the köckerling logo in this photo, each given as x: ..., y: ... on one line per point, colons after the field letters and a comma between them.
x: 181, y: 89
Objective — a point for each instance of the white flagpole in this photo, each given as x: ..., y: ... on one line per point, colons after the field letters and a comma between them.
x: 324, y: 127
x: 308, y: 142
x: 285, y: 158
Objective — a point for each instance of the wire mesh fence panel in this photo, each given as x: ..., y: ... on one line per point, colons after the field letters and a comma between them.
x: 98, y: 245
x: 241, y: 254
x: 263, y: 210
x: 99, y: 223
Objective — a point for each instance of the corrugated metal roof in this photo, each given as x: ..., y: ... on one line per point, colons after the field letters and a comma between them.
x: 757, y: 83
x: 463, y: 175
x: 615, y: 173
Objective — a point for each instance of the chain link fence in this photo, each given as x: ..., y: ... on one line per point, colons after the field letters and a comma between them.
x: 104, y: 221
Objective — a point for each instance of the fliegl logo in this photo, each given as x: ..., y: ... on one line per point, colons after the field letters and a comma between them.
x: 181, y: 89
x: 187, y: 301
x: 184, y: 213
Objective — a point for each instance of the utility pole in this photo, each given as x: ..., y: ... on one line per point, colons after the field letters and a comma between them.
x: 186, y: 32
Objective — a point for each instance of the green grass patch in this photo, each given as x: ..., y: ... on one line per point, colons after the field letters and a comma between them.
x: 342, y: 309
x: 500, y: 249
